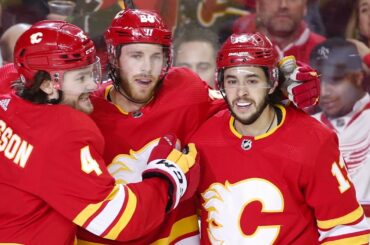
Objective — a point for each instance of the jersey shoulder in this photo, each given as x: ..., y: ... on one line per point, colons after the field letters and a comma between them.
x: 182, y: 80
x: 309, y: 129
x: 213, y: 127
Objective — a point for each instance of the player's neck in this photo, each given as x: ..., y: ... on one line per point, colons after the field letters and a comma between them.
x: 265, y: 123
x: 123, y: 102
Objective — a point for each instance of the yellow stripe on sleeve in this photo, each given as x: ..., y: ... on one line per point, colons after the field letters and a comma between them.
x: 182, y: 227
x: 363, y: 239
x: 347, y: 219
x: 91, y: 209
x: 125, y: 217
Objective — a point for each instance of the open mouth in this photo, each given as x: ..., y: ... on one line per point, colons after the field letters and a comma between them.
x: 85, y: 97
x: 143, y: 81
x: 243, y: 105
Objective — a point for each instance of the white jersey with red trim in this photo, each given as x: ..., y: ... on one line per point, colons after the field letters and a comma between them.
x: 353, y: 131
x: 288, y: 186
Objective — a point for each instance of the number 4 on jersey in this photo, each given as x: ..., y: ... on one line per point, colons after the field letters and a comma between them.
x: 88, y: 163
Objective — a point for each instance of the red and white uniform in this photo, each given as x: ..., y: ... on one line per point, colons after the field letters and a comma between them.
x: 180, y: 107
x: 53, y: 179
x: 353, y: 131
x: 284, y: 187
x: 303, y: 43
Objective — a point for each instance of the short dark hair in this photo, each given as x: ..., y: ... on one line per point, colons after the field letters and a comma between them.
x: 335, y: 57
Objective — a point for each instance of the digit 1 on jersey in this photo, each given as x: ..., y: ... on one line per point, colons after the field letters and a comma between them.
x: 88, y: 163
x: 336, y: 171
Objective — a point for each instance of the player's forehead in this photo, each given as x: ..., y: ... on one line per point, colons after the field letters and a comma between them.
x: 244, y: 71
x: 142, y: 48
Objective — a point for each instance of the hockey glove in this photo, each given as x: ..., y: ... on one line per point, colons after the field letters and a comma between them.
x: 179, y: 168
x: 304, y: 90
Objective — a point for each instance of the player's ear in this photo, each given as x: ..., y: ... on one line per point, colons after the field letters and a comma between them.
x: 50, y: 88
x: 47, y: 86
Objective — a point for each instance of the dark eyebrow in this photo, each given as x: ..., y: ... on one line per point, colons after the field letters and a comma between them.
x: 246, y: 76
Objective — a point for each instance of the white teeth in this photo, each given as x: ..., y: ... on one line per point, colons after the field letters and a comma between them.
x: 243, y: 104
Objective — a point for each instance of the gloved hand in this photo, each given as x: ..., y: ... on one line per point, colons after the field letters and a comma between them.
x: 304, y: 90
x: 181, y: 169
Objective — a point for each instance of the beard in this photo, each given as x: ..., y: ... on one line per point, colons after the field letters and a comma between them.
x: 82, y: 103
x: 252, y: 118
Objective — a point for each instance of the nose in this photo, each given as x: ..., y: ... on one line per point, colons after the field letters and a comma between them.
x: 242, y: 90
x: 283, y: 3
x: 325, y: 89
x: 146, y: 65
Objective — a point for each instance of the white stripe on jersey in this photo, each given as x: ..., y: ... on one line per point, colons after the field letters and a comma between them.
x: 110, y: 212
x: 344, y: 229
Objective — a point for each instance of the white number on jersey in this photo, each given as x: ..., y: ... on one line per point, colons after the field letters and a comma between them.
x: 88, y: 163
x: 336, y: 171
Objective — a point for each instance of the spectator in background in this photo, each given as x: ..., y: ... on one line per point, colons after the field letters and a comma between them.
x: 8, y: 40
x: 358, y: 26
x: 196, y: 48
x: 282, y: 22
x: 346, y: 109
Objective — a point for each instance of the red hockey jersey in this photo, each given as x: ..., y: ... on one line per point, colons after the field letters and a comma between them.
x: 180, y: 107
x: 53, y: 179
x: 284, y: 187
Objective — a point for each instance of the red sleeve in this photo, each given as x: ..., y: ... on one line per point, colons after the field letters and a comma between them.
x: 76, y: 184
x: 329, y: 185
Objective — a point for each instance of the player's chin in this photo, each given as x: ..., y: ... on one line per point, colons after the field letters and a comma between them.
x: 84, y: 103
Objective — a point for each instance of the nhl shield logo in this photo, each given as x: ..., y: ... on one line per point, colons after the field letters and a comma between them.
x: 246, y: 144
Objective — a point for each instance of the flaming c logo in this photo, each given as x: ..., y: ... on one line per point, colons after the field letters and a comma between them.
x: 225, y: 204
x: 36, y: 37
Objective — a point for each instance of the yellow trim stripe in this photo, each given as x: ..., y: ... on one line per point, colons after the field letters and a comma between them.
x: 232, y: 128
x: 125, y: 217
x: 106, y: 93
x: 283, y: 112
x: 91, y: 209
x: 11, y: 243
x: 347, y: 219
x: 182, y: 227
x: 239, y: 136
x: 364, y: 239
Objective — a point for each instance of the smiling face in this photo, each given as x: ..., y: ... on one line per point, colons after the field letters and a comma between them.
x: 140, y: 67
x: 337, y: 97
x: 246, y: 90
x: 77, y: 86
